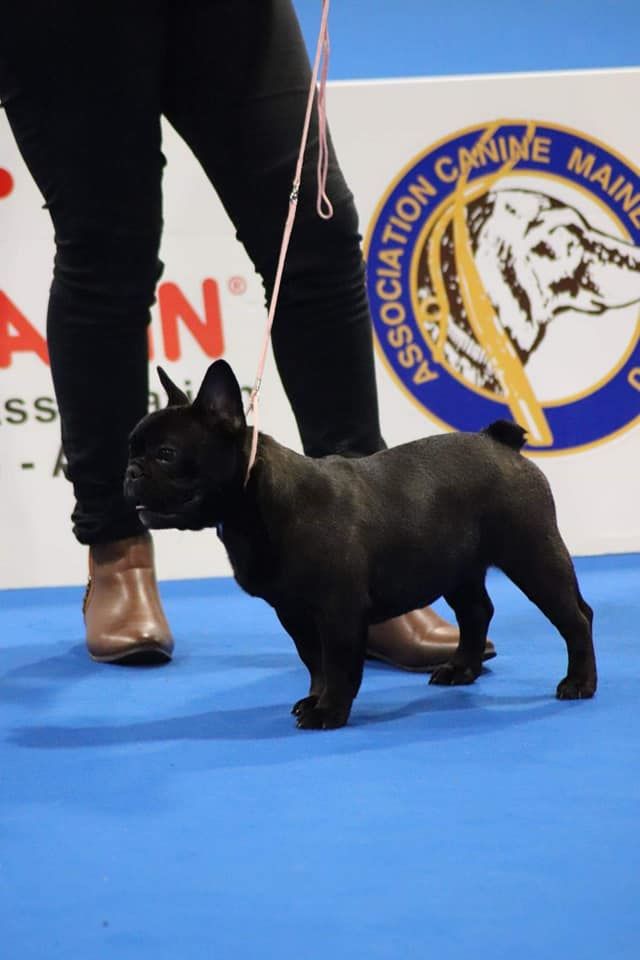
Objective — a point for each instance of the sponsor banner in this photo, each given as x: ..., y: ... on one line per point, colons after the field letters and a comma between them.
x: 502, y: 233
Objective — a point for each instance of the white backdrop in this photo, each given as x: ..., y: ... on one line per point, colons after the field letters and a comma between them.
x: 379, y: 128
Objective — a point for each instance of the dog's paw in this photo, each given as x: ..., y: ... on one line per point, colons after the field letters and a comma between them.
x: 301, y: 705
x: 452, y: 675
x: 569, y: 689
x: 314, y: 717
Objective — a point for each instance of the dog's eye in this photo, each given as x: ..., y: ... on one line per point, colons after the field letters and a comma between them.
x: 543, y: 249
x: 166, y: 454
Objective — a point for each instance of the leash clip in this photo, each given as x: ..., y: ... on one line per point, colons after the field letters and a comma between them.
x: 253, y: 396
x: 256, y: 390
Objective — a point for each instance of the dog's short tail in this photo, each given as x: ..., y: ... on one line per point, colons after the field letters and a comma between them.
x: 506, y: 432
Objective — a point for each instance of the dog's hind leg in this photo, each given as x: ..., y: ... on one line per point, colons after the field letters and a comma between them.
x: 473, y: 609
x: 544, y: 571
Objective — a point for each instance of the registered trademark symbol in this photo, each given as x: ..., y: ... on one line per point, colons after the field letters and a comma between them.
x: 237, y: 285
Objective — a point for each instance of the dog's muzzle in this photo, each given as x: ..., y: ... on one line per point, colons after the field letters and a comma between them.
x: 161, y: 509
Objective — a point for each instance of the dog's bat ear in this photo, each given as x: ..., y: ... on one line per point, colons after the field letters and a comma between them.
x: 175, y: 395
x: 219, y: 398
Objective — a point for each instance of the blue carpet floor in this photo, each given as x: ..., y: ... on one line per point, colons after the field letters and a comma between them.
x: 175, y: 812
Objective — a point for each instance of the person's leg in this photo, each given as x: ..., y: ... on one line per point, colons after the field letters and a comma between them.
x: 238, y: 100
x: 81, y: 86
x: 81, y: 91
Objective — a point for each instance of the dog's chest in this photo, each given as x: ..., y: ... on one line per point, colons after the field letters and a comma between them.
x: 254, y: 569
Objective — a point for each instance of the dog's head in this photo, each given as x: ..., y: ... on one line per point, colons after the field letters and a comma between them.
x: 187, y: 461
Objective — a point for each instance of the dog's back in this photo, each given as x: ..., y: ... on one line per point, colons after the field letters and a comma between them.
x: 471, y: 474
x: 437, y: 510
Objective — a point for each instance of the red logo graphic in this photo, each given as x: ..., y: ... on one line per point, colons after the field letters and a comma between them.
x: 174, y: 306
x: 6, y: 183
x: 19, y: 335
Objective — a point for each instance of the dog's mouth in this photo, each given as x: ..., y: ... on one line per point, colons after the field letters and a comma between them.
x: 179, y: 517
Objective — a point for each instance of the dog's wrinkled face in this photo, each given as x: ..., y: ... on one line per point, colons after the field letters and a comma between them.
x: 187, y: 461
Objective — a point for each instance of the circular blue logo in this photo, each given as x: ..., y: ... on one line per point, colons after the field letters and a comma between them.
x: 503, y: 271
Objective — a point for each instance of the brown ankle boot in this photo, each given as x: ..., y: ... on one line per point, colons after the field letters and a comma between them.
x: 122, y: 611
x: 418, y: 641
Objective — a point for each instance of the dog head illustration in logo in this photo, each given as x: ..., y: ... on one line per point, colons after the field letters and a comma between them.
x: 491, y: 240
x: 537, y: 258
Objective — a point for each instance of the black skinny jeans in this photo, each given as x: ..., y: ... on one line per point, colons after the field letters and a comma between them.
x: 84, y: 83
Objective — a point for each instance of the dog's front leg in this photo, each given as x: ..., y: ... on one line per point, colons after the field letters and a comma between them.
x: 303, y: 631
x: 343, y: 643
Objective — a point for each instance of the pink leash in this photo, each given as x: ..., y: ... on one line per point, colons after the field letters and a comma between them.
x: 323, y: 205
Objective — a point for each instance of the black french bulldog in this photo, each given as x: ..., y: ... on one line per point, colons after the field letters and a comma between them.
x: 337, y: 544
